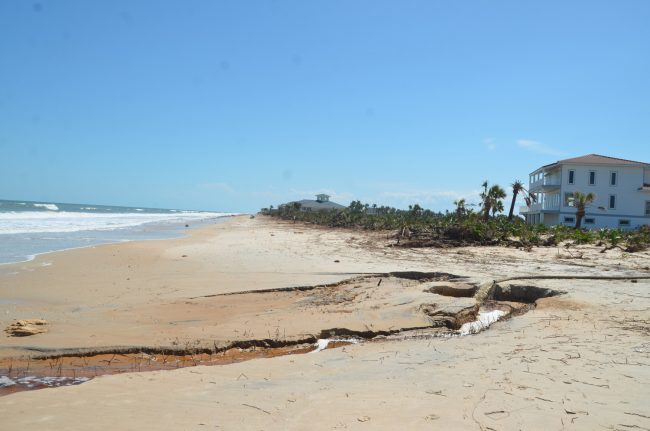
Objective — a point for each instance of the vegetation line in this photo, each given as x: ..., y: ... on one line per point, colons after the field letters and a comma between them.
x: 465, y: 226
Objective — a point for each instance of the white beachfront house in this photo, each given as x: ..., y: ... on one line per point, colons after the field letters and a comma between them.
x: 621, y: 187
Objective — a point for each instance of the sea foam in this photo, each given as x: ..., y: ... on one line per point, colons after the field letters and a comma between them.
x: 50, y: 207
x: 62, y: 221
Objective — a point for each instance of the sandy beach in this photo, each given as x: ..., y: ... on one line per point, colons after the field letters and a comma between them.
x: 577, y: 360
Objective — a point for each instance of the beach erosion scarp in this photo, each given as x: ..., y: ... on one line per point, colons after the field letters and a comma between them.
x: 338, y: 314
x: 255, y: 279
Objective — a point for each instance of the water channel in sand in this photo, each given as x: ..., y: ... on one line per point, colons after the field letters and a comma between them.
x: 65, y: 369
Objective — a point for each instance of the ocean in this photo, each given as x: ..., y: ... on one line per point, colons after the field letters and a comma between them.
x: 31, y: 228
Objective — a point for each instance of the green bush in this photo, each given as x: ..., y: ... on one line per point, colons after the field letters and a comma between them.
x: 421, y: 227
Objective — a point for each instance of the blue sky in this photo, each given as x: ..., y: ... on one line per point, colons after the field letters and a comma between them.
x: 235, y: 105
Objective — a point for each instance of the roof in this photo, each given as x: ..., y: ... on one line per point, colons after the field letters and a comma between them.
x: 308, y: 203
x: 597, y: 159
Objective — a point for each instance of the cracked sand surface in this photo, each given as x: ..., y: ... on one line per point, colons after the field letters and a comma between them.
x: 578, y: 361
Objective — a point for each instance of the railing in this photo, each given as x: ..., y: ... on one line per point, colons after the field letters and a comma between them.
x: 531, y: 208
x: 551, y: 205
x: 546, y: 181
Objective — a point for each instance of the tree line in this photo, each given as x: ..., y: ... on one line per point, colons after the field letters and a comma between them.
x: 482, y: 224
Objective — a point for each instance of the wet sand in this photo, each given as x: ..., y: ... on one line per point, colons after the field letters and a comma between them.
x: 33, y: 374
x: 576, y: 361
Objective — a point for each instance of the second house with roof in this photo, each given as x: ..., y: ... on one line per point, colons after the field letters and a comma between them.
x: 621, y: 188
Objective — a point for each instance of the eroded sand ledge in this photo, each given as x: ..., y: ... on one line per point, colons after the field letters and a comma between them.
x: 579, y: 361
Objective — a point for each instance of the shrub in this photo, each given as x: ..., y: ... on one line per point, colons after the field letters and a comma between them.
x: 421, y: 227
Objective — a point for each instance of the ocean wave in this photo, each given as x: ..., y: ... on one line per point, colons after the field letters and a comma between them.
x: 62, y: 221
x: 50, y: 207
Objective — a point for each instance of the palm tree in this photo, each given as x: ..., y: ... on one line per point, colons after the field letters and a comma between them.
x: 580, y: 201
x: 497, y: 207
x: 517, y: 187
x: 492, y: 200
x: 460, y: 207
x: 356, y: 206
x: 415, y: 210
x: 484, y: 198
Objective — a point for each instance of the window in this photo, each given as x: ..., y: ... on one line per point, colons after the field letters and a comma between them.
x: 647, y: 208
x: 569, y: 219
x: 613, y: 178
x: 590, y: 220
x: 612, y: 202
x: 568, y: 199
x: 572, y: 175
x: 623, y: 222
x: 592, y: 178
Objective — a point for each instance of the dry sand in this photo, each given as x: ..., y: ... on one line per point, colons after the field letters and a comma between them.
x: 577, y: 361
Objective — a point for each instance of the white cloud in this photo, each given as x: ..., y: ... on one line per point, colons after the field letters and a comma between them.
x: 490, y: 144
x: 438, y: 199
x: 400, y: 197
x: 538, y: 147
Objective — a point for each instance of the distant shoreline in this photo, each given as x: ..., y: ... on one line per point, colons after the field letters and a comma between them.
x: 152, y: 231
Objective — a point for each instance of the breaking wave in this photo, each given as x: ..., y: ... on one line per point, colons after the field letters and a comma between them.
x: 51, y: 207
x: 62, y: 221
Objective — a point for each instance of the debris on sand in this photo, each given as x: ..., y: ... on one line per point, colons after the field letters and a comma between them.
x: 26, y: 327
x: 485, y: 319
x: 323, y: 343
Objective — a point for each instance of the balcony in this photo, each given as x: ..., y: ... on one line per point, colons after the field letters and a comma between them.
x: 549, y: 205
x: 545, y: 183
x: 553, y: 205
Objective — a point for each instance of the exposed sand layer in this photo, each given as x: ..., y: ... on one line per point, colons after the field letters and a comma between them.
x: 576, y: 361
